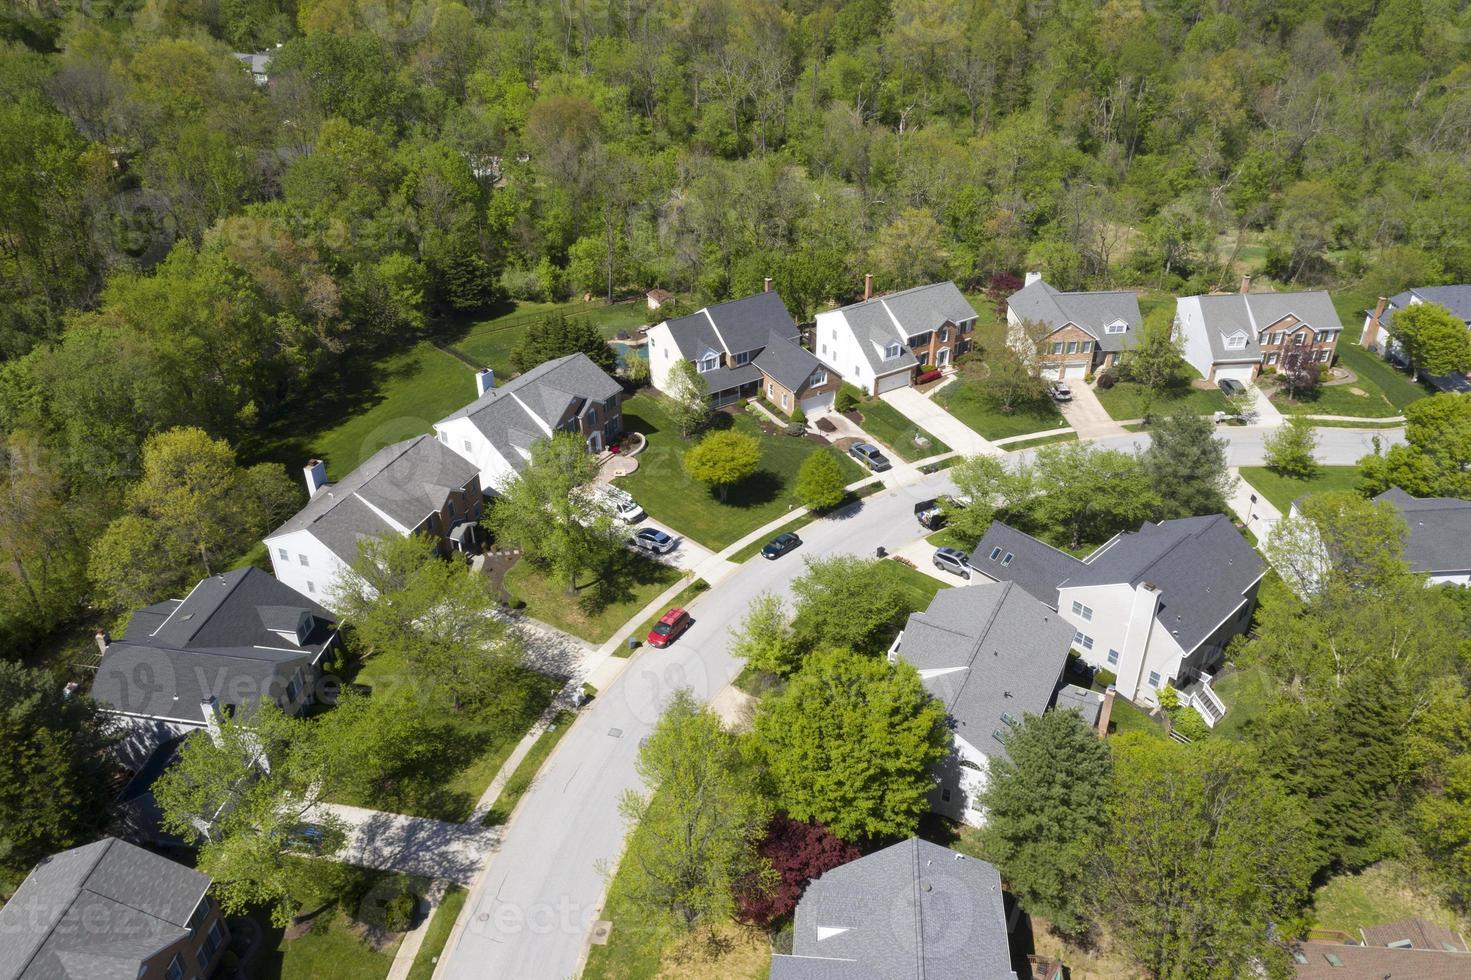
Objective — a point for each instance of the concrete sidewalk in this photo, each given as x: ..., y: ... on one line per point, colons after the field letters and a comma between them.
x: 928, y: 415
x: 411, y: 845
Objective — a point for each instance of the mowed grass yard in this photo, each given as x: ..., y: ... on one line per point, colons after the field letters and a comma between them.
x: 662, y: 488
x: 1281, y: 491
x: 964, y: 399
x: 1128, y: 400
x: 1382, y: 893
x: 599, y: 607
x: 884, y: 422
x: 335, y: 945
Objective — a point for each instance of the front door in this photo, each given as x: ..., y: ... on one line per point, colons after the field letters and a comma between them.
x: 942, y: 358
x: 595, y: 442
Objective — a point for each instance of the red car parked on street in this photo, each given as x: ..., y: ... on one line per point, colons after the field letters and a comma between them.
x: 669, y: 627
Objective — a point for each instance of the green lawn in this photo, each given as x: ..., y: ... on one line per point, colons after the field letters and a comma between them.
x: 918, y: 587
x: 1129, y: 400
x: 1246, y: 694
x: 641, y: 631
x: 1283, y: 490
x: 1384, y: 892
x: 964, y: 400
x: 465, y: 754
x: 1386, y: 390
x: 882, y: 421
x: 664, y: 490
x: 1012, y: 447
x: 334, y: 946
x: 525, y: 772
x: 438, y: 932
x: 491, y: 341
x: 600, y: 607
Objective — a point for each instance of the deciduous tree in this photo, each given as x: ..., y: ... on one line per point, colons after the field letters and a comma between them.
x: 1089, y: 494
x: 846, y: 601
x: 1435, y: 340
x: 1157, y: 361
x: 723, y: 459
x: 798, y: 852
x: 764, y: 638
x: 820, y: 483
x: 688, y: 402
x: 1289, y: 449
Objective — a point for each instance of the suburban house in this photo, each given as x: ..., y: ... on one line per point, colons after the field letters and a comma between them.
x: 234, y: 639
x: 111, y: 911
x: 1408, y: 948
x: 991, y: 654
x: 496, y: 431
x: 740, y: 348
x: 1235, y: 335
x: 1070, y: 335
x: 418, y: 486
x: 912, y: 911
x: 1379, y: 322
x: 1439, y: 544
x: 1155, y: 606
x: 881, y: 342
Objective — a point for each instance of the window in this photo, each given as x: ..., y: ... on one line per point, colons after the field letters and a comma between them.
x: 924, y: 358
x: 285, y: 555
x: 293, y: 688
x: 770, y: 391
x: 786, y: 400
x: 1086, y: 347
x: 1072, y: 346
x: 1300, y: 338
x: 824, y: 350
x: 1083, y: 640
x: 467, y: 445
x: 1237, y: 341
x: 944, y: 335
x: 892, y: 351
x: 945, y: 795
x: 1272, y: 358
x: 1118, y: 326
x: 302, y: 558
x: 743, y: 357
x: 592, y: 416
x: 995, y: 553
x: 1009, y: 719
x: 1113, y: 658
x: 1081, y: 610
x: 1154, y: 678
x: 1007, y: 560
x: 176, y: 969
x: 310, y: 588
x: 1324, y: 354
x: 1275, y: 338
x: 709, y: 363
x: 1057, y: 347
x: 819, y: 377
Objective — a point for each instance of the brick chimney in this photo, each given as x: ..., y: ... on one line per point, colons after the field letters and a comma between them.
x: 1371, y: 328
x: 766, y: 285
x: 868, y: 285
x: 316, y: 476
x: 1106, y: 710
x: 1245, y: 283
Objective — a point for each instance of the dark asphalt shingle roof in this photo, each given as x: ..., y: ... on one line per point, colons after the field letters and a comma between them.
x: 1456, y: 298
x: 1201, y: 565
x: 1251, y: 313
x: 96, y: 912
x: 1440, y: 531
x: 895, y: 317
x: 1377, y: 962
x: 1091, y: 311
x: 221, y: 640
x: 1421, y: 933
x: 986, y: 651
x: 912, y: 910
x: 747, y: 323
x: 786, y: 363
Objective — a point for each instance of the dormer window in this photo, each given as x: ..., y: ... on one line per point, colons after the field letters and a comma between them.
x: 891, y: 352
x: 743, y: 357
x: 709, y: 363
x: 1237, y: 341
x: 1118, y: 326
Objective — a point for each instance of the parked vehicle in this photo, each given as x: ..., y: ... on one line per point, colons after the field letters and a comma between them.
x: 670, y: 627
x: 652, y: 540
x: 1231, y: 387
x: 870, y: 456
x: 779, y: 546
x: 953, y: 560
x: 930, y: 514
x: 619, y: 502
x: 1061, y: 392
x: 308, y: 838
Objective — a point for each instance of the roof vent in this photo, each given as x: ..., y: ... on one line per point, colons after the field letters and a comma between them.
x: 928, y: 887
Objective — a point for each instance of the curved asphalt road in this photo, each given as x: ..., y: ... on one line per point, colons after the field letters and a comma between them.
x: 530, y: 914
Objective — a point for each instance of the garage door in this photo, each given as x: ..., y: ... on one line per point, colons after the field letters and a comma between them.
x: 894, y: 382
x: 1240, y: 373
x: 1075, y: 371
x: 1050, y: 372
x: 818, y: 402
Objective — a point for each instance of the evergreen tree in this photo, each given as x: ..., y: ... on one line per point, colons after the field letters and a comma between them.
x: 557, y: 335
x: 1186, y: 461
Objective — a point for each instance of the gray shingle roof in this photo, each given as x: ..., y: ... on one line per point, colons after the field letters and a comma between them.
x: 1440, y: 531
x: 408, y: 481
x: 1092, y: 311
x: 724, y: 378
x: 914, y: 909
x: 987, y: 651
x: 220, y: 640
x: 549, y: 393
x: 1088, y: 704
x: 881, y: 320
x: 1251, y: 313
x: 786, y: 363
x: 1456, y: 298
x: 748, y: 323
x: 96, y: 912
x: 1201, y: 565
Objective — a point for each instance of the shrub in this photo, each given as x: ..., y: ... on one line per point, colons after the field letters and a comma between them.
x: 799, y: 417
x: 1269, y: 369
x: 796, y: 429
x: 398, y: 912
x: 1107, y: 378
x: 799, y: 852
x: 847, y: 398
x: 1324, y: 373
x: 928, y: 376
x: 524, y: 284
x: 1088, y: 378
x: 1187, y: 722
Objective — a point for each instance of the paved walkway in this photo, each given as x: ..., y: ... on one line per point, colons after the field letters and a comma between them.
x: 411, y: 845
x: 1086, y: 414
x: 1266, y: 412
x: 1259, y: 515
x: 1029, y: 436
x: 1391, y: 420
x: 928, y: 415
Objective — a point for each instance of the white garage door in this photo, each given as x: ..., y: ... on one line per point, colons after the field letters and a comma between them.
x: 818, y: 402
x: 894, y: 382
x: 1050, y: 372
x: 1240, y: 373
x: 1075, y: 371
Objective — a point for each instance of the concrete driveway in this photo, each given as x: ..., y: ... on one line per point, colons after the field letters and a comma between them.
x: 928, y: 415
x: 1086, y: 414
x: 411, y: 845
x: 688, y: 554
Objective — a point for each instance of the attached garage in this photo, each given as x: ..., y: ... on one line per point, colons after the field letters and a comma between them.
x: 1071, y: 371
x: 893, y: 382
x: 818, y: 403
x: 1244, y: 373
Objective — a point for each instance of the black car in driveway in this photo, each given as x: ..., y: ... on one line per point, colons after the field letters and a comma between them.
x: 1231, y: 387
x: 869, y: 455
x: 779, y: 546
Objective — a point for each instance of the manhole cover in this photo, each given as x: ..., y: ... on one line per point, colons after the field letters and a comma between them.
x: 483, y: 917
x: 600, y: 932
x: 616, y: 732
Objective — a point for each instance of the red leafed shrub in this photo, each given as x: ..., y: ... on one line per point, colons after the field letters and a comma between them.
x: 1002, y: 285
x: 927, y: 377
x: 799, y: 852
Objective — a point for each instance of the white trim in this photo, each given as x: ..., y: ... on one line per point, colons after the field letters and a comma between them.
x: 1234, y: 610
x: 179, y: 606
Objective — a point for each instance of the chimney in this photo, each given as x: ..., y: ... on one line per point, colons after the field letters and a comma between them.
x: 766, y: 285
x: 868, y: 285
x: 1031, y: 278
x: 1245, y: 283
x: 1106, y: 710
x: 210, y: 708
x: 1371, y: 328
x: 484, y: 381
x: 102, y: 641
x: 316, y: 476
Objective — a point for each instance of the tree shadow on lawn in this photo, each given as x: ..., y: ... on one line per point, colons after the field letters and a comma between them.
x: 761, y: 487
x: 619, y: 581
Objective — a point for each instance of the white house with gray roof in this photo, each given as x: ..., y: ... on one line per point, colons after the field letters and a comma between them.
x: 1155, y: 606
x: 111, y: 911
x: 881, y: 343
x: 992, y: 654
x: 1076, y: 333
x: 1234, y: 335
x: 740, y: 348
x: 1378, y: 334
x: 1439, y: 544
x: 912, y: 911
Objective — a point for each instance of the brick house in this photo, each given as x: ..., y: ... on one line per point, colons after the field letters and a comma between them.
x: 1074, y: 334
x: 884, y: 342
x: 1235, y: 335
